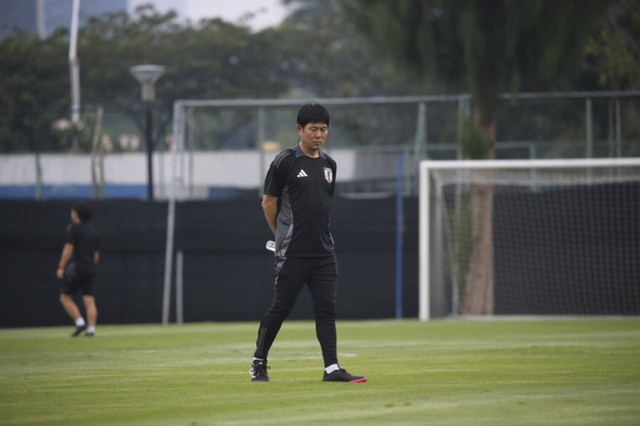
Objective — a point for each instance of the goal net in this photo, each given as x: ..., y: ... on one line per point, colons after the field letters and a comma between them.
x: 530, y: 237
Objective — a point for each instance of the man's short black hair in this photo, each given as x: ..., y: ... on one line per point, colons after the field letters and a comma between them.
x: 313, y: 113
x: 83, y: 211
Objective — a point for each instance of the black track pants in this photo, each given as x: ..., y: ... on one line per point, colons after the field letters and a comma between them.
x: 321, y: 276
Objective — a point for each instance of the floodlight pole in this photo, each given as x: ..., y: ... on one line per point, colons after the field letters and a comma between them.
x: 147, y: 75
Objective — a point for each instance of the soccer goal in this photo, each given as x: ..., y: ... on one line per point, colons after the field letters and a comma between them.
x: 529, y: 237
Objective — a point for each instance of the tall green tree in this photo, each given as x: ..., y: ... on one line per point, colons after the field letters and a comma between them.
x: 207, y: 60
x: 612, y: 53
x: 612, y: 62
x: 33, y: 90
x: 313, y: 54
x: 323, y: 54
x: 483, y: 47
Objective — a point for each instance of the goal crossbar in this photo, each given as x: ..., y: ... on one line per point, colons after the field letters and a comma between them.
x: 424, y: 202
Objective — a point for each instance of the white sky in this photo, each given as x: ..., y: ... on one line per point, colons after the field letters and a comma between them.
x: 267, y: 13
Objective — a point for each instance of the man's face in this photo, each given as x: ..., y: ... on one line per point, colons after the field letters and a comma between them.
x: 313, y: 135
x: 74, y: 216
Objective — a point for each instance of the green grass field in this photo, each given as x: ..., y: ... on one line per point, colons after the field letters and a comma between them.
x: 451, y: 372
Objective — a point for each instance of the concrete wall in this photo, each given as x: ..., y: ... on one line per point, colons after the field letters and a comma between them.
x: 227, y: 169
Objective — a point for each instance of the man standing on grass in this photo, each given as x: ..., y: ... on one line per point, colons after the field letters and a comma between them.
x: 77, y: 268
x: 297, y: 203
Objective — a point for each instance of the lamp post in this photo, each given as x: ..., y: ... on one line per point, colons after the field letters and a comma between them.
x: 147, y: 75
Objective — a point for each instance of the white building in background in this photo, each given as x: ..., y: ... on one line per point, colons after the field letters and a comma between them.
x: 205, y: 175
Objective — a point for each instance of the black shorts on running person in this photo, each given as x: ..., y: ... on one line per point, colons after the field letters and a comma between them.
x: 75, y: 278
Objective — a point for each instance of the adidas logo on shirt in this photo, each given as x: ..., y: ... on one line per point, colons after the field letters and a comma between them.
x: 302, y: 173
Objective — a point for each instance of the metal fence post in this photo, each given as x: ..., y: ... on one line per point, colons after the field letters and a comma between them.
x: 589, y: 128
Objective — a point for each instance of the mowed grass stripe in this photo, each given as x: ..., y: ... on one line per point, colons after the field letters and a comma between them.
x: 574, y: 371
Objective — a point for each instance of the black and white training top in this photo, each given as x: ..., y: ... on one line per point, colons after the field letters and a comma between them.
x: 304, y: 187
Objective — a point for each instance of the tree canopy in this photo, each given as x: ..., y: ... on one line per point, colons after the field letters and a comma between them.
x: 482, y: 47
x: 34, y: 90
x: 329, y: 48
x: 210, y: 59
x: 612, y: 54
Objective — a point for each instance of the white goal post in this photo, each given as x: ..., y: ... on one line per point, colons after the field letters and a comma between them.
x: 592, y: 170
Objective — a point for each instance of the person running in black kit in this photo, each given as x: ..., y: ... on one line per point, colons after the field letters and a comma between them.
x: 77, y: 268
x: 297, y: 203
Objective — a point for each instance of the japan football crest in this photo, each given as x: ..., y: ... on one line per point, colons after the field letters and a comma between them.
x: 328, y: 174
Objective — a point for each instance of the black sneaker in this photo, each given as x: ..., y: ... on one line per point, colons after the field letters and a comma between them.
x: 258, y: 372
x: 79, y: 329
x: 88, y: 334
x: 342, y: 376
